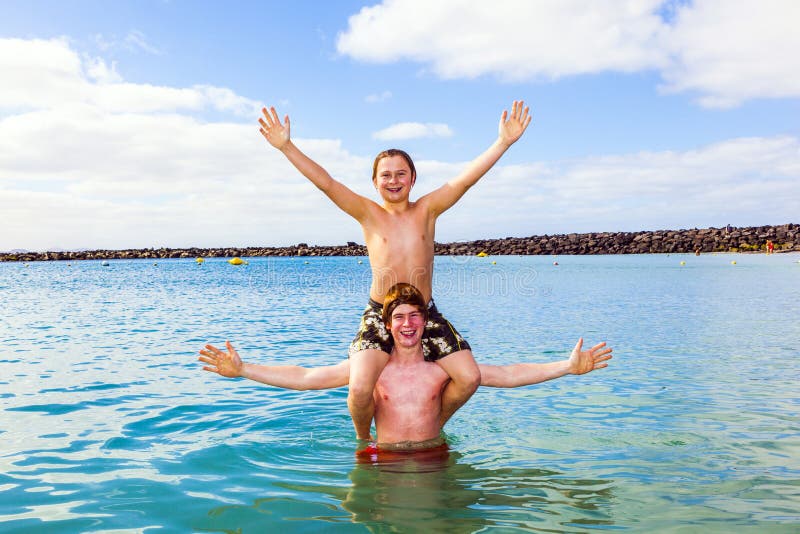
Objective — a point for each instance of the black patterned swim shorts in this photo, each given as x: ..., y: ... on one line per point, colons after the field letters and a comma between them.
x: 440, y: 339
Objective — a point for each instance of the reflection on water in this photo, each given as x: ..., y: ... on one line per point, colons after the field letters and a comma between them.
x: 107, y: 424
x: 442, y: 493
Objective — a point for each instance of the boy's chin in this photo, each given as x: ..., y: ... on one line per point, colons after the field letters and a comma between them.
x: 408, y: 342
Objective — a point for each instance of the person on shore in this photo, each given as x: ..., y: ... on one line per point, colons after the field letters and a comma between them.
x: 409, y: 392
x: 399, y: 235
x: 770, y: 246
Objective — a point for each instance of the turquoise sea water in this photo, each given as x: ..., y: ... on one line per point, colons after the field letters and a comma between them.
x: 108, y: 424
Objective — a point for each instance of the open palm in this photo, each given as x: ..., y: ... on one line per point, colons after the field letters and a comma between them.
x: 271, y: 128
x: 513, y: 126
x: 223, y: 363
x: 584, y: 361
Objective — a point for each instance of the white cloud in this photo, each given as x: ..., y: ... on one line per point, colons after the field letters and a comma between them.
x: 413, y: 130
x: 736, y: 181
x: 376, y: 98
x: 88, y: 160
x: 510, y: 39
x: 732, y: 51
x: 93, y: 161
x: 44, y: 74
x: 727, y: 51
x: 98, y: 70
x: 136, y: 40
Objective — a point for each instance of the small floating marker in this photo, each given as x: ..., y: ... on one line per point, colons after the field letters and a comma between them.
x: 305, y: 262
x: 482, y: 254
x: 155, y: 263
x: 236, y: 261
x: 494, y: 263
x: 360, y: 262
x: 733, y: 262
x: 104, y: 263
x: 683, y: 263
x: 199, y: 261
x: 555, y: 263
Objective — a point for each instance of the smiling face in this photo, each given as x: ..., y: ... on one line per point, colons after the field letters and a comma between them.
x: 393, y: 178
x: 407, y: 325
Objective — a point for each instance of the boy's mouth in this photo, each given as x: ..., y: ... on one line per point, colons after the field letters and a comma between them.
x: 394, y: 189
x: 408, y: 333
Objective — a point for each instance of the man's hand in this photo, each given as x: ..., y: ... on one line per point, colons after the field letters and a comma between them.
x: 271, y: 128
x: 584, y: 361
x: 223, y: 363
x: 511, y: 128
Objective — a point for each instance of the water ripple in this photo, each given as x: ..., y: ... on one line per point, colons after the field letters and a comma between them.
x: 107, y: 423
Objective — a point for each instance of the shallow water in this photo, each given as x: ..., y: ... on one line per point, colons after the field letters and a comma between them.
x: 107, y: 422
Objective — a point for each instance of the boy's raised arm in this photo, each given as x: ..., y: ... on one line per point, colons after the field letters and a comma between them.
x: 279, y: 136
x: 230, y: 365
x: 510, y: 130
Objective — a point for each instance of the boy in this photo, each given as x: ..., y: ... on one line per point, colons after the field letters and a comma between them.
x: 408, y: 394
x: 399, y: 235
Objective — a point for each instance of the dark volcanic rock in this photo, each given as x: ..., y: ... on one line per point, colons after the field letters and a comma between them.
x: 752, y: 239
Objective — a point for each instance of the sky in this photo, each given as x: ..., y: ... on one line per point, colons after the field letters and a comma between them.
x: 133, y: 123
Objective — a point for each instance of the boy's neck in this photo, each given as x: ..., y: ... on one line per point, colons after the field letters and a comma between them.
x: 396, y: 207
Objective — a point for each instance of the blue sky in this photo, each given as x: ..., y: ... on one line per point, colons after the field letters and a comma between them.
x: 133, y: 123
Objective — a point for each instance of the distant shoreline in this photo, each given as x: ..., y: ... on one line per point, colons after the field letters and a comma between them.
x: 786, y: 238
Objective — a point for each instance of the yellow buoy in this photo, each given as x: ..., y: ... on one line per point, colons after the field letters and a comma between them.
x: 683, y: 263
x: 199, y: 260
x: 733, y: 262
x: 236, y: 261
x: 482, y: 254
x: 494, y: 263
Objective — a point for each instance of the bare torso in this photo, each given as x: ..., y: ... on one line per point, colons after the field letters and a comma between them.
x: 408, y: 401
x: 400, y: 247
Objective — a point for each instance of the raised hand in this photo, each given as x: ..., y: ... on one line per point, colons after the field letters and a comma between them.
x: 584, y: 361
x: 223, y: 363
x: 271, y: 128
x: 512, y: 127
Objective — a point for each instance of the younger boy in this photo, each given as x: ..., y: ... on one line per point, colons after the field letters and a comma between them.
x: 399, y: 235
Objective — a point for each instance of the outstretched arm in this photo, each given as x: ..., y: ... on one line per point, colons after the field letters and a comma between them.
x: 230, y: 365
x: 510, y: 130
x: 278, y: 135
x: 524, y: 374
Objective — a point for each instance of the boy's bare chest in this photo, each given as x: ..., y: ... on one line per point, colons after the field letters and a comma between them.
x: 408, y: 387
x: 408, y: 232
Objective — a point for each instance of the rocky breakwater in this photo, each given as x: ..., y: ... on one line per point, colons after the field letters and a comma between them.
x: 750, y: 239
x: 786, y: 238
x: 301, y: 249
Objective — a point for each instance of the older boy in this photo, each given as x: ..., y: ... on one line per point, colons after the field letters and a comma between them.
x: 399, y: 235
x: 408, y: 395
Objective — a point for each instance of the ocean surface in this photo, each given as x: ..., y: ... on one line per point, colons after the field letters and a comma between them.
x: 108, y: 423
